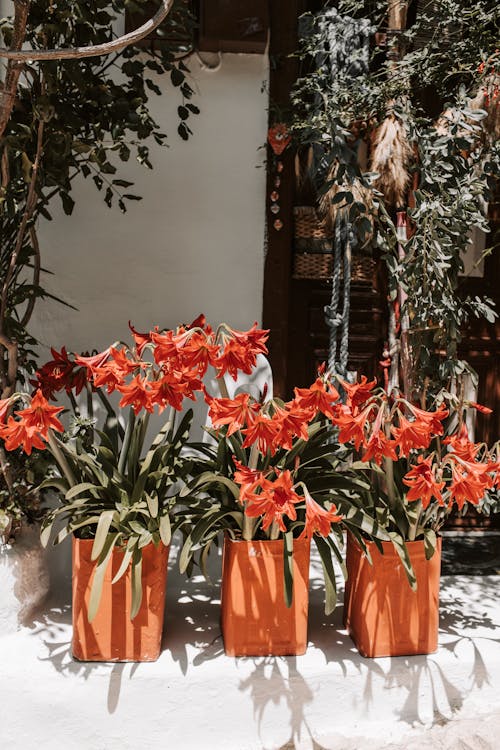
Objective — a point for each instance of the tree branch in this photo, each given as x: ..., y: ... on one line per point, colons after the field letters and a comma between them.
x: 95, y: 50
x: 14, y: 68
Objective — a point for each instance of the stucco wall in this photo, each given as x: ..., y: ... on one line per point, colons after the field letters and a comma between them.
x: 193, y: 244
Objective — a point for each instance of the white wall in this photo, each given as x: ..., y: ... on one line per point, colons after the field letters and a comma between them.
x: 193, y: 244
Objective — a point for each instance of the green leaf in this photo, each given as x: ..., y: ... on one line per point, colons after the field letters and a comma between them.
x: 152, y: 501
x: 165, y: 529
x: 430, y: 542
x: 136, y: 583
x: 103, y: 526
x: 127, y: 557
x: 82, y: 487
x: 328, y: 573
x: 402, y: 551
x: 97, y: 583
x: 288, y: 567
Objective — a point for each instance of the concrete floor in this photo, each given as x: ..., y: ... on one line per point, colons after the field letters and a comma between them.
x: 195, y: 697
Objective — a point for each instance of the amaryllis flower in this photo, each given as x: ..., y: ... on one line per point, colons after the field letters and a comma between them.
x: 352, y: 428
x: 263, y: 431
x: 248, y: 479
x: 16, y: 434
x: 254, y: 340
x: 141, y: 339
x: 461, y: 445
x: 378, y: 447
x: 57, y: 375
x: 95, y: 361
x: 292, y: 422
x: 423, y: 484
x: 235, y: 357
x: 5, y: 404
x: 411, y: 435
x: 198, y: 350
x: 165, y: 349
x: 480, y: 407
x: 235, y: 412
x: 137, y: 394
x: 170, y: 390
x: 317, y: 398
x: 358, y: 393
x: 40, y: 416
x: 318, y: 519
x: 433, y: 418
x: 277, y: 499
x: 469, y: 482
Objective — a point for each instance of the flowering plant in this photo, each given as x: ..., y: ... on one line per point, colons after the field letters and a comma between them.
x: 418, y: 470
x: 273, y: 473
x: 119, y: 488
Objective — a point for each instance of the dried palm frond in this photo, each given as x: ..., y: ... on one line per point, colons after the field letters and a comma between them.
x: 391, y: 158
x: 327, y: 209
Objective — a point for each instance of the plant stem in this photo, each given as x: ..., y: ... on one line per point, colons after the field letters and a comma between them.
x: 126, y: 442
x: 249, y: 523
x: 61, y: 458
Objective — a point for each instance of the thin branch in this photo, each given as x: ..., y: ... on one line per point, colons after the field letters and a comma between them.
x: 95, y: 50
x: 14, y: 68
x: 36, y: 277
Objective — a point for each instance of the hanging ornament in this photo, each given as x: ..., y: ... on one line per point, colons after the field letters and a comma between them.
x: 278, y: 138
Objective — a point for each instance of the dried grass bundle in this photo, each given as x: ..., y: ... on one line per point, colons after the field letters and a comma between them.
x: 361, y: 194
x: 391, y: 158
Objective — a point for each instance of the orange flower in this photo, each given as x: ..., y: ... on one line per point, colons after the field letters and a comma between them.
x: 423, y: 484
x: 480, y: 407
x: 198, y: 350
x: 165, y: 349
x: 411, y: 435
x: 262, y: 431
x: 137, y: 394
x: 470, y: 482
x: 433, y: 418
x: 358, y: 393
x: 170, y: 390
x: 352, y: 427
x: 58, y: 374
x: 16, y: 434
x: 235, y: 412
x: 317, y: 398
x: 97, y: 360
x: 318, y: 520
x: 141, y: 339
x: 276, y: 500
x: 461, y: 445
x: 39, y: 416
x: 292, y: 422
x: 234, y: 357
x: 248, y: 479
x: 4, y: 408
x: 378, y: 447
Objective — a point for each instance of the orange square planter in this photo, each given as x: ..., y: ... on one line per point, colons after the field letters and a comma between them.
x: 255, y: 618
x: 382, y: 614
x: 112, y: 635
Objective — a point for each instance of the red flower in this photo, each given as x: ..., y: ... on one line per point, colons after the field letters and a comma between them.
x: 461, y: 445
x: 480, y: 407
x: 423, y: 484
x: 166, y: 349
x: 198, y: 350
x: 235, y: 412
x: 4, y: 408
x: 352, y: 428
x: 317, y: 398
x: 318, y: 520
x: 170, y: 390
x: 358, y: 393
x: 411, y: 435
x: 433, y: 418
x: 276, y: 500
x: 137, y: 395
x: 262, y: 431
x: 470, y: 482
x: 234, y: 357
x: 378, y: 447
x: 92, y: 363
x: 292, y: 422
x: 39, y: 416
x: 58, y: 374
x: 141, y: 339
x: 16, y: 434
x: 248, y: 479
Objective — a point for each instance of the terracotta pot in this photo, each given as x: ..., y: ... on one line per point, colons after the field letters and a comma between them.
x: 255, y: 618
x: 112, y: 635
x: 382, y: 614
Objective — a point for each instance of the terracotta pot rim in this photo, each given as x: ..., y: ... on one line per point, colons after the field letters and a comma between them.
x: 118, y: 548
x: 267, y: 542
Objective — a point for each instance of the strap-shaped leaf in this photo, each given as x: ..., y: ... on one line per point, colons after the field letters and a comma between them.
x: 127, y: 557
x: 165, y: 529
x: 213, y: 518
x: 103, y: 526
x: 328, y: 574
x: 402, y: 551
x: 56, y: 483
x: 152, y: 501
x: 136, y: 582
x: 333, y: 546
x: 357, y: 517
x: 209, y: 478
x: 288, y: 567
x: 430, y: 542
x: 96, y: 590
x: 82, y: 487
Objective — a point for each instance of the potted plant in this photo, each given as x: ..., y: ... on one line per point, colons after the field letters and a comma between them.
x: 270, y: 483
x: 416, y: 473
x: 118, y: 487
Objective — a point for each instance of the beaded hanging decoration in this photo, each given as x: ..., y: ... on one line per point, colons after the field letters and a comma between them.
x: 278, y: 138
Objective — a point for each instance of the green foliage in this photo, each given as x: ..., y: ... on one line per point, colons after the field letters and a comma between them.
x: 435, y: 67
x: 117, y: 491
x: 20, y: 500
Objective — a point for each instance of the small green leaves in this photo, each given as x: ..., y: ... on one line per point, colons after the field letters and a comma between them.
x: 288, y: 567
